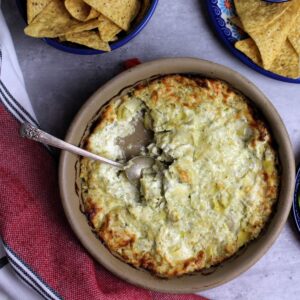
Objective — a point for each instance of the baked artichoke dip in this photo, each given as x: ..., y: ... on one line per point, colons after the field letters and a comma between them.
x: 211, y: 190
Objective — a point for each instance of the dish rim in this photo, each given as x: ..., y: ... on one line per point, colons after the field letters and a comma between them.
x: 265, y: 241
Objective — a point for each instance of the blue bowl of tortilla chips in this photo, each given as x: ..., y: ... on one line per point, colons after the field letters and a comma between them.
x: 87, y: 31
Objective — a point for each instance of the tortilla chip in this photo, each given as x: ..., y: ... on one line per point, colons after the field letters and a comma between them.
x: 107, y: 29
x: 90, y: 39
x: 285, y: 64
x: 255, y: 13
x: 121, y: 12
x: 249, y: 48
x: 78, y: 9
x: 92, y: 15
x: 34, y: 7
x: 270, y: 39
x: 53, y: 21
x: 294, y: 36
x: 83, y: 26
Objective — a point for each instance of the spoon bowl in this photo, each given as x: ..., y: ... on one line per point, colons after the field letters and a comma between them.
x: 134, y: 167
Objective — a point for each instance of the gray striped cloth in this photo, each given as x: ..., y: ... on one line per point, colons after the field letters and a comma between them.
x: 17, y: 281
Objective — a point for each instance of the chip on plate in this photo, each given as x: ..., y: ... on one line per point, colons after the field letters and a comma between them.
x: 53, y: 21
x: 121, y: 12
x: 285, y: 64
x: 274, y: 31
x: 93, y: 14
x: 294, y: 35
x: 83, y: 26
x: 249, y: 48
x: 78, y: 9
x: 256, y: 13
x: 108, y: 30
x: 88, y: 38
x: 34, y: 7
x: 270, y: 38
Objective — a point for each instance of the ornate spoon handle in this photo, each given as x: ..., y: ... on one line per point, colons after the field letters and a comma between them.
x: 33, y: 133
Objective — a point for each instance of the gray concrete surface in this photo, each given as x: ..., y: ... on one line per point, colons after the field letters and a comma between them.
x: 59, y: 83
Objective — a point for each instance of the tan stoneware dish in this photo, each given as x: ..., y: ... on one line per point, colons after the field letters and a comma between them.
x: 70, y: 186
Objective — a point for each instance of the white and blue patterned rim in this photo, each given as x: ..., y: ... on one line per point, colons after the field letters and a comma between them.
x: 296, y: 208
x: 229, y: 35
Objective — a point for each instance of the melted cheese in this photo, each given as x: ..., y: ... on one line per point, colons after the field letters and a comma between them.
x: 211, y: 190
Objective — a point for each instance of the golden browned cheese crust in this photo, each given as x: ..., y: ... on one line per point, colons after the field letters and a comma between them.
x: 212, y: 190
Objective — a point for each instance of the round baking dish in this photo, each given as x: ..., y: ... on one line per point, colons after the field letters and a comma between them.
x: 238, y: 263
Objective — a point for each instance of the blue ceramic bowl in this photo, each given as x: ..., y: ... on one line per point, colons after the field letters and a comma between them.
x: 78, y: 49
x: 296, y: 203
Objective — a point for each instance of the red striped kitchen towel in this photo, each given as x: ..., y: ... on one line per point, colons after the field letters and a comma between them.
x: 37, y: 237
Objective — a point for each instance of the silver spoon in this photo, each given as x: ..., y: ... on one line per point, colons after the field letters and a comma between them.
x: 133, y: 168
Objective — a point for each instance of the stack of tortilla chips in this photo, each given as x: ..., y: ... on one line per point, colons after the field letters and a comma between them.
x: 274, y: 34
x: 93, y: 23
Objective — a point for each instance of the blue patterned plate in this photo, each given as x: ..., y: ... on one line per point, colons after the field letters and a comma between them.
x: 221, y: 11
x: 296, y: 202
